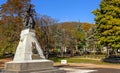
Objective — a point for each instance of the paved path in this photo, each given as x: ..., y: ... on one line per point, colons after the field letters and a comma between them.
x: 90, y: 70
x: 73, y: 70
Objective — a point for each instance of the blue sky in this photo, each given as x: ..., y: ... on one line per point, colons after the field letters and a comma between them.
x: 66, y: 10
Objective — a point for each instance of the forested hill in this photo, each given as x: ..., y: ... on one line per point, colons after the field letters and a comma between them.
x: 58, y: 34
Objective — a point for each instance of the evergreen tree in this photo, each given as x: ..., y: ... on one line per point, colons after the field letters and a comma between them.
x: 108, y: 23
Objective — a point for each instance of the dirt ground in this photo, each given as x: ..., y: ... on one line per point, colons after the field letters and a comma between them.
x: 3, y: 61
x: 88, y: 65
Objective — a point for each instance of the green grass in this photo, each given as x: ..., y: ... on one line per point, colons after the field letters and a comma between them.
x: 75, y: 60
x: 81, y: 60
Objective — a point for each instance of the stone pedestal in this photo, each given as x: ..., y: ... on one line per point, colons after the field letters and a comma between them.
x: 34, y: 66
x: 29, y: 57
x: 27, y: 44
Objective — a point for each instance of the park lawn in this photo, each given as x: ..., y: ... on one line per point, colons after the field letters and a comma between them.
x: 75, y: 60
x: 81, y: 60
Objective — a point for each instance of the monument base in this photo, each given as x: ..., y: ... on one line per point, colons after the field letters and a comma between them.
x: 33, y: 66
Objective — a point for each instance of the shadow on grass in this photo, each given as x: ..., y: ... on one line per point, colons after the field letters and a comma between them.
x: 112, y: 59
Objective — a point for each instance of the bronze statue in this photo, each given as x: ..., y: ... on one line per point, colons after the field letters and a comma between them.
x: 28, y: 21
